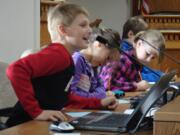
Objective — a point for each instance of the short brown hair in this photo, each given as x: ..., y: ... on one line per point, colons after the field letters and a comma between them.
x: 134, y: 24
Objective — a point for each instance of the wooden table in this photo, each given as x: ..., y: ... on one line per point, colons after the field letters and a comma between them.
x: 167, y: 119
x: 41, y: 127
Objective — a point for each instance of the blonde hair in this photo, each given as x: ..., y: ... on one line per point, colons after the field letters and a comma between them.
x: 153, y: 38
x: 63, y: 13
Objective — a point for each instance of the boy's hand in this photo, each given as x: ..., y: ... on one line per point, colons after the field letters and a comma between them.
x: 175, y: 78
x: 51, y: 115
x: 109, y: 102
x: 142, y: 85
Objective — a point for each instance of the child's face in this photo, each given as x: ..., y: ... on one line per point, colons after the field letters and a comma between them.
x: 100, y: 55
x: 77, y: 34
x: 144, y: 52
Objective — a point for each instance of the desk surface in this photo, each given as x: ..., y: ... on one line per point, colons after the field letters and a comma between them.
x: 169, y: 112
x: 41, y: 127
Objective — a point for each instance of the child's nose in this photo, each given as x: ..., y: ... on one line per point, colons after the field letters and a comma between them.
x: 89, y: 30
x: 150, y: 58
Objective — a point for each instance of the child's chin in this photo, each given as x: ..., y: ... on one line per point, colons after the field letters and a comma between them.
x: 144, y: 62
x: 84, y: 46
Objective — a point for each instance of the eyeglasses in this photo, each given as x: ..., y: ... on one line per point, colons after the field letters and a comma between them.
x: 150, y: 44
x: 160, y: 50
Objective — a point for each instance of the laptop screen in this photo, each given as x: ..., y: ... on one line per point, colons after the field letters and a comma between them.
x: 148, y: 101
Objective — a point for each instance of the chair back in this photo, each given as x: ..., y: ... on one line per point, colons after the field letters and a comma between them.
x: 7, y: 95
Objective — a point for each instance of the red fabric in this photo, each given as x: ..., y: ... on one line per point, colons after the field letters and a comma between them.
x: 79, y: 102
x: 52, y: 59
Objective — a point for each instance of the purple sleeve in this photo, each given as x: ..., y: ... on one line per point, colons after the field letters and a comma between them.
x: 96, y: 91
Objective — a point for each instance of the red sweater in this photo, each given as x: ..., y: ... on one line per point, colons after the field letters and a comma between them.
x: 79, y: 102
x: 54, y: 58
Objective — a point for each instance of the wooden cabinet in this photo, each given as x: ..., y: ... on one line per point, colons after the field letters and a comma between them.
x: 167, y: 119
x: 169, y: 25
x: 164, y: 6
x: 44, y: 34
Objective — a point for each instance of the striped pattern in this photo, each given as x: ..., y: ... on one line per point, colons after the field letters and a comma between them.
x: 145, y: 7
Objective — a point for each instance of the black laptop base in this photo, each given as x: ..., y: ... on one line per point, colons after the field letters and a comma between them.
x: 133, y: 121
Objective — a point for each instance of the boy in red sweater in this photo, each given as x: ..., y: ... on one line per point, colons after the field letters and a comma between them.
x: 41, y: 80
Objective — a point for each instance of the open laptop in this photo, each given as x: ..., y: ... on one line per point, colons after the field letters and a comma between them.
x: 118, y: 122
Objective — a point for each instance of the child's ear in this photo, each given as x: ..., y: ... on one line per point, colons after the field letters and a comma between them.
x: 130, y: 34
x: 139, y: 43
x: 61, y: 29
x: 97, y: 44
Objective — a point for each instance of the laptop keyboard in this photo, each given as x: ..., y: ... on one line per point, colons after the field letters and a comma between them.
x: 109, y: 119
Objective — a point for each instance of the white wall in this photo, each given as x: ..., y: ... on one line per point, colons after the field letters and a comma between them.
x: 19, y: 27
x: 20, y: 20
x: 113, y: 12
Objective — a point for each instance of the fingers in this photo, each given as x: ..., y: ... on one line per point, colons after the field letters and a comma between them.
x: 57, y: 115
x: 113, y: 106
x: 52, y: 118
x: 142, y: 85
x: 109, y: 101
x: 51, y: 115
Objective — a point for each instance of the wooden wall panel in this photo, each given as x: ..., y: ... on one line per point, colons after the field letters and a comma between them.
x: 167, y: 6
